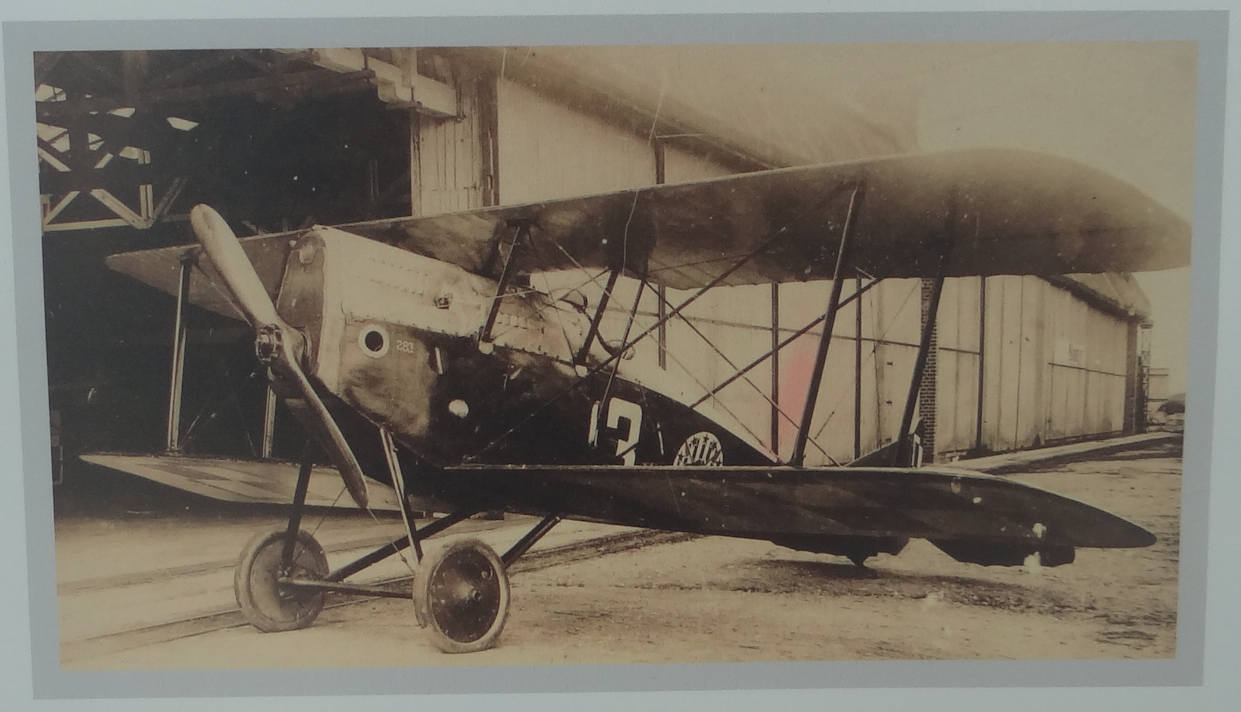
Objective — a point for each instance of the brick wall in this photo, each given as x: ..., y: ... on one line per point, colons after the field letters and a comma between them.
x: 928, y: 387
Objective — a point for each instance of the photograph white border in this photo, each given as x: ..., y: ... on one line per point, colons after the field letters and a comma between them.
x: 27, y: 526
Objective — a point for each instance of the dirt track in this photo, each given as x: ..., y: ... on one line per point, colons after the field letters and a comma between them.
x: 712, y: 599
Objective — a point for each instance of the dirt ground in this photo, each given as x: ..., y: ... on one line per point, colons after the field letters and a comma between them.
x: 715, y: 600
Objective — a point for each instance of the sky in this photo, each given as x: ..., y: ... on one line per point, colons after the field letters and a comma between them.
x: 1125, y: 108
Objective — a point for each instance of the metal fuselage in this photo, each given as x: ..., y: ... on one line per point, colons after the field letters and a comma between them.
x: 395, y: 336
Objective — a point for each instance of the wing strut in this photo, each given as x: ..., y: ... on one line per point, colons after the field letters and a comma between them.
x: 580, y: 358
x: 857, y: 370
x: 637, y: 300
x: 829, y: 324
x: 177, y: 380
x: 506, y: 276
x: 904, y: 448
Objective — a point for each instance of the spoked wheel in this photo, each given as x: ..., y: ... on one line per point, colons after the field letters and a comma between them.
x: 266, y: 604
x: 461, y: 596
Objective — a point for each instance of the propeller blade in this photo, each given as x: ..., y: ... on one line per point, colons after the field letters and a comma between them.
x: 333, y: 440
x: 230, y: 260
x: 234, y: 266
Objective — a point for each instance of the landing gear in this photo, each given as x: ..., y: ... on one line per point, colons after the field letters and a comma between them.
x: 461, y: 596
x: 265, y: 602
x: 460, y: 591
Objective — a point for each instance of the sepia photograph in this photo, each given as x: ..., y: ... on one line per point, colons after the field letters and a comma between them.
x: 436, y: 356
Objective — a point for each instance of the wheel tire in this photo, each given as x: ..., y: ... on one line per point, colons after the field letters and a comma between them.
x: 461, y: 596
x: 264, y: 604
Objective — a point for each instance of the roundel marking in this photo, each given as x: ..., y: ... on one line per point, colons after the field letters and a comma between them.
x: 701, y: 448
x: 373, y: 340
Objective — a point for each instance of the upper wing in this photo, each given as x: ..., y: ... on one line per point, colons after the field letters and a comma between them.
x: 1003, y: 212
x: 161, y: 268
x: 1008, y: 212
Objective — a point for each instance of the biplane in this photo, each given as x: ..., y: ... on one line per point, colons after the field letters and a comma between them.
x: 417, y: 353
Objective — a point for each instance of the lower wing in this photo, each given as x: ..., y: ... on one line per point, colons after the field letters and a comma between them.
x: 245, y: 481
x: 972, y: 517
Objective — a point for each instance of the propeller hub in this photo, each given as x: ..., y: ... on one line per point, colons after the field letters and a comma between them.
x: 269, y: 344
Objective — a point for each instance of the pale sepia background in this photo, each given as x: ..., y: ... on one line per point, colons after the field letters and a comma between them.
x: 1223, y: 631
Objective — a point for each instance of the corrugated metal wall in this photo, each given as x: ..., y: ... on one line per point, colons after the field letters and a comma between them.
x: 958, y: 332
x: 1053, y: 366
x: 1086, y: 369
x: 548, y: 150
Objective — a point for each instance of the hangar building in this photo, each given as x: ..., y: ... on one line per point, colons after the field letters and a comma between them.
x: 277, y: 140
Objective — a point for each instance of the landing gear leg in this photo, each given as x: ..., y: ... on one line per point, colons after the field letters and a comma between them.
x: 285, y: 553
x: 460, y: 591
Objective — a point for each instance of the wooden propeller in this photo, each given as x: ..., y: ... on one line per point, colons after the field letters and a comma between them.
x: 278, y: 344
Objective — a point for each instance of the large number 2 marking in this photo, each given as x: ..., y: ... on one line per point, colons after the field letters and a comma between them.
x: 626, y: 447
